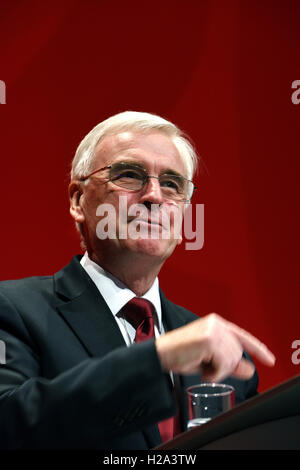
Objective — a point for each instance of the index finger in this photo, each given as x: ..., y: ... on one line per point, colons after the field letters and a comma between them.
x: 253, y: 345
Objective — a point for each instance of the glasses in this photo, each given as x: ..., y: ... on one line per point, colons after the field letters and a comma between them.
x: 134, y: 177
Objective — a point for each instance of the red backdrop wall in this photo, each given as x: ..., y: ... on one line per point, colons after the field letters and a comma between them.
x: 221, y: 70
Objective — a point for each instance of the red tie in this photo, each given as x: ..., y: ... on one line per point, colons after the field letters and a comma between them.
x: 139, y: 312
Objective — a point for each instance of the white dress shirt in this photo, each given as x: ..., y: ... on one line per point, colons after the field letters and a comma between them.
x: 116, y: 295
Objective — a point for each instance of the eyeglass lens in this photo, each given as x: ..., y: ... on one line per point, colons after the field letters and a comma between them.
x: 132, y: 177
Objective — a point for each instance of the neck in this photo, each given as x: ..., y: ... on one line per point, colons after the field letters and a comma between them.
x: 137, y: 273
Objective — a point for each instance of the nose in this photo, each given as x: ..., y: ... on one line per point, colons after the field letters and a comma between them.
x: 151, y: 192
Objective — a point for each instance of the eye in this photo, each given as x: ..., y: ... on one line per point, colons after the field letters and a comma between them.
x: 172, y: 183
x: 126, y: 173
x: 129, y: 173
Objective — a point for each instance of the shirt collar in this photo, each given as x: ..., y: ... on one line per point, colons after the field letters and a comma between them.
x: 115, y: 293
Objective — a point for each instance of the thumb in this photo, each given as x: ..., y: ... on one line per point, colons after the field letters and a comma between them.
x: 244, y: 370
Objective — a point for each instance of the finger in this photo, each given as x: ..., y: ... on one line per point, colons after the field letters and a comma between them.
x: 226, y: 363
x: 253, y: 345
x: 244, y: 371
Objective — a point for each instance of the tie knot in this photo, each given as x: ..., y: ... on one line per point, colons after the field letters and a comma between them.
x: 137, y: 310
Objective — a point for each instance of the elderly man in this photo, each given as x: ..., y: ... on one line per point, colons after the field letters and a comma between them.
x: 96, y: 356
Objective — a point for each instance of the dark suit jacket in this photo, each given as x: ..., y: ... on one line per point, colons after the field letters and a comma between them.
x: 69, y: 380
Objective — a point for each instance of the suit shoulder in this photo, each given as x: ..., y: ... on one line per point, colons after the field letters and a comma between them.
x: 27, y: 284
x: 185, y: 314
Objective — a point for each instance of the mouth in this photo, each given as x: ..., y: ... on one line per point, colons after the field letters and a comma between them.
x: 148, y: 221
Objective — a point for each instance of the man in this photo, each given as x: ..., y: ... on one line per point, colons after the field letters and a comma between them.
x: 79, y: 373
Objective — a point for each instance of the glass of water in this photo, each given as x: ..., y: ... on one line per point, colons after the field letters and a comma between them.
x: 208, y: 400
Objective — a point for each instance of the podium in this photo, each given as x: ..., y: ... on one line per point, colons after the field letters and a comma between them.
x: 269, y: 421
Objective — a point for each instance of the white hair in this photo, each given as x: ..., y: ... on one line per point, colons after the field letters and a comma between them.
x: 131, y: 121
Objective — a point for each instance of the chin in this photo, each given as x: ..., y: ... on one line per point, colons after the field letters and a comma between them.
x: 161, y: 249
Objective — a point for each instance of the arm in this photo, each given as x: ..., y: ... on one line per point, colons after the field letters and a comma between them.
x: 100, y: 398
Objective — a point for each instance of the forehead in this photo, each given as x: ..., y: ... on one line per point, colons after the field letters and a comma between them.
x: 153, y: 149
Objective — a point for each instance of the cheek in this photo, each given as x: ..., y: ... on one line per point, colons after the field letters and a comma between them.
x: 173, y: 214
x: 122, y: 201
x: 97, y: 206
x: 90, y: 207
x: 94, y: 197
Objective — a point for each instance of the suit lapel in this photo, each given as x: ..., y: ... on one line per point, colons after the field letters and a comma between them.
x: 84, y: 309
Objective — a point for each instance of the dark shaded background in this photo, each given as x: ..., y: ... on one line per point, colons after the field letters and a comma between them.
x: 222, y: 71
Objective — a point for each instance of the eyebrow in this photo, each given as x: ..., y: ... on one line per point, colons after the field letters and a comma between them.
x: 130, y: 162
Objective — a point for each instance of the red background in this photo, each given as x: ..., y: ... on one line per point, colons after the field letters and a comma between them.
x: 221, y: 70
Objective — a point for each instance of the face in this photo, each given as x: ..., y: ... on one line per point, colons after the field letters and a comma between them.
x: 154, y: 152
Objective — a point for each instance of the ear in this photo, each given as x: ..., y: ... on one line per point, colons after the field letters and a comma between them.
x: 75, y: 195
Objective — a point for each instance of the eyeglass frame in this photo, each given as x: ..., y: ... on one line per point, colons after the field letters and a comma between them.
x: 84, y: 178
